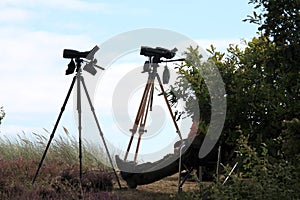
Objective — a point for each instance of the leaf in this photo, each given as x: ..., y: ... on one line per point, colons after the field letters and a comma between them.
x: 66, y: 130
x: 46, y: 130
x: 257, y: 6
x: 26, y: 141
x: 255, y: 15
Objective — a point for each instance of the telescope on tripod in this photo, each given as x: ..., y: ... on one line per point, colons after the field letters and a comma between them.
x: 150, y: 66
x: 77, y: 58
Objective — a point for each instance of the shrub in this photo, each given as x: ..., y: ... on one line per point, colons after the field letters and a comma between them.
x: 265, y: 179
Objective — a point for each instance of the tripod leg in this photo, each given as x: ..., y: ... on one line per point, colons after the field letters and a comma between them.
x: 144, y: 118
x: 79, y: 123
x: 151, y: 96
x: 138, y: 116
x: 169, y: 107
x: 54, y: 129
x: 100, y: 131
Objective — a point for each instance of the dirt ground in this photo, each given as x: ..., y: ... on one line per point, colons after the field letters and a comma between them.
x: 166, y: 188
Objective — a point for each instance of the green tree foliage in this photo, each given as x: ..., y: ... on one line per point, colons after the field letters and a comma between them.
x: 279, y: 19
x: 291, y: 140
x: 262, y: 81
x: 191, y: 85
x: 270, y: 67
x: 263, y: 102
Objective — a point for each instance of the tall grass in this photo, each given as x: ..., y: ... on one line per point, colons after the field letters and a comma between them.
x: 63, y: 147
x: 59, y: 175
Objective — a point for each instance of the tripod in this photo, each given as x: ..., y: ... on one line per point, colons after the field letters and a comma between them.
x: 146, y: 105
x: 79, y: 78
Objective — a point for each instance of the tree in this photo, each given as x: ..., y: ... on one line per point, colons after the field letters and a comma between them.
x: 262, y: 81
x: 263, y: 103
x: 280, y: 24
x: 278, y: 19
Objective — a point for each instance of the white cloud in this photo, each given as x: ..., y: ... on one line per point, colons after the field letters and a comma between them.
x: 10, y: 130
x: 73, y: 5
x: 76, y: 5
x: 32, y: 69
x: 101, y: 7
x: 14, y: 15
x: 66, y: 4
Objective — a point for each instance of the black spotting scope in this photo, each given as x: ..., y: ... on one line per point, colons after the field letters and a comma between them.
x: 70, y: 53
x: 89, y: 55
x: 158, y: 52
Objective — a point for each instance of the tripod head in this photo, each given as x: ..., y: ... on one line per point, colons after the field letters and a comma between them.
x: 79, y: 58
x: 155, y: 55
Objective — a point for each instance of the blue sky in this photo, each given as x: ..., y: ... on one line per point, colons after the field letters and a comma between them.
x: 33, y: 34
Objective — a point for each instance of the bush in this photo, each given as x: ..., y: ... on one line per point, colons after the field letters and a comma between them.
x: 264, y: 178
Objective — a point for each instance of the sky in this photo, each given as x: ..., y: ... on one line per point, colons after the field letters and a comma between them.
x: 33, y: 34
